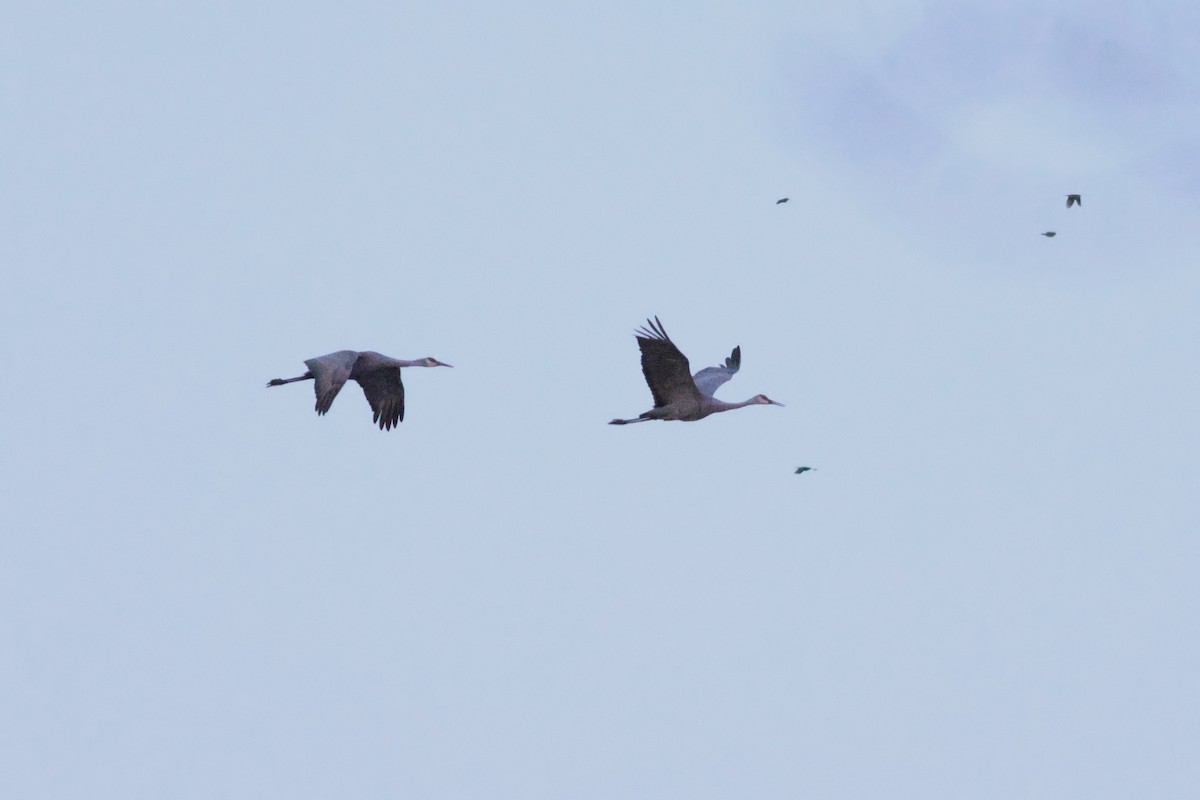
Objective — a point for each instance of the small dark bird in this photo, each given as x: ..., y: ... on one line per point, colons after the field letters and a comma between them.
x: 1049, y: 234
x: 802, y: 470
x: 378, y: 375
x: 781, y: 200
x: 1072, y: 199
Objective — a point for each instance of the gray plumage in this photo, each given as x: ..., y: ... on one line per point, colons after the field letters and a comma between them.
x: 677, y: 393
x: 802, y: 470
x: 1049, y: 234
x: 781, y: 200
x: 1072, y: 199
x: 378, y: 375
x: 709, y: 379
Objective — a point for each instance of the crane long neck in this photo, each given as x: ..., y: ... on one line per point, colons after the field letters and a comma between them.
x: 721, y: 405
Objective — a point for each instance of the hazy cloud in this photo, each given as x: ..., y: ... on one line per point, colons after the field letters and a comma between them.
x: 1074, y: 89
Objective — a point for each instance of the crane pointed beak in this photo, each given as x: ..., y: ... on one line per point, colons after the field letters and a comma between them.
x: 444, y: 364
x: 781, y: 405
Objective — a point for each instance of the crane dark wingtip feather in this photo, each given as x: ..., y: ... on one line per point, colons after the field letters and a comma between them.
x: 388, y: 417
x: 653, y: 329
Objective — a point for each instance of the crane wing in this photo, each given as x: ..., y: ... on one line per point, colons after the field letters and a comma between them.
x: 667, y: 371
x: 709, y: 379
x: 331, y: 373
x: 385, y: 393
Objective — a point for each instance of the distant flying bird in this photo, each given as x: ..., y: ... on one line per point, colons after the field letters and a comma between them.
x: 1072, y: 199
x: 1050, y: 234
x: 378, y: 375
x: 781, y: 200
x: 802, y: 470
x: 678, y: 394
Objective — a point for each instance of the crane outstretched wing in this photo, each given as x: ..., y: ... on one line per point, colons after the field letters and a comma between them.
x: 385, y: 393
x: 667, y: 371
x: 709, y: 379
x: 331, y: 373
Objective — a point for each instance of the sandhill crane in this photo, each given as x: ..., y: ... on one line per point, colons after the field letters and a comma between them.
x: 1049, y: 234
x: 1072, y: 199
x: 378, y: 375
x: 781, y: 200
x: 802, y: 470
x: 677, y: 393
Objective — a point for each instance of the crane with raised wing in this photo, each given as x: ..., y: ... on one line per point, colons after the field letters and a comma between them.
x: 677, y: 393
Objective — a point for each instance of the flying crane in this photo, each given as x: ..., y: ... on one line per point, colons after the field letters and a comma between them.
x: 677, y: 393
x: 378, y: 375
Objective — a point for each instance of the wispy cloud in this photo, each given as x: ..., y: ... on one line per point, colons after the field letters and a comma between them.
x: 1071, y: 89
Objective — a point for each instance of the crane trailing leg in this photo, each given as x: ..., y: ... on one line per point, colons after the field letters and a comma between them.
x: 308, y: 376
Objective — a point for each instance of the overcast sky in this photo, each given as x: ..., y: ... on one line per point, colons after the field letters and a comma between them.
x: 986, y: 589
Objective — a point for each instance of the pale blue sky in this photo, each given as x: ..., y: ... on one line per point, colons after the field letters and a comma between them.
x: 986, y: 590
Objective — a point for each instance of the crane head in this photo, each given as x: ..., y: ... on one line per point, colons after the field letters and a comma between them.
x: 763, y: 400
x: 433, y: 362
